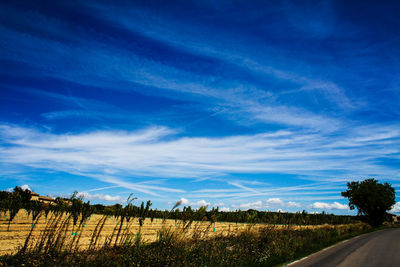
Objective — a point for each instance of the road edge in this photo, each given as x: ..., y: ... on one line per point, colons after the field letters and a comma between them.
x: 373, y: 230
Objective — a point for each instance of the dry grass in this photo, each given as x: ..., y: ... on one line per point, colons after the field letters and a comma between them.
x: 95, y: 230
x: 98, y: 230
x: 99, y: 242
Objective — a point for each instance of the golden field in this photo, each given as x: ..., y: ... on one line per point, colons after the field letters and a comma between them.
x: 14, y: 234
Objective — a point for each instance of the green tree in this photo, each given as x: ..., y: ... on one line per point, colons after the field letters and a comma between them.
x: 371, y: 198
x: 23, y: 195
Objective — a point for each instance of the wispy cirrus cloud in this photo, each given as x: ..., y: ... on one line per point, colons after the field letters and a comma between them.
x: 240, y: 99
x: 117, y: 157
x: 158, y: 152
x: 182, y: 36
x: 242, y: 96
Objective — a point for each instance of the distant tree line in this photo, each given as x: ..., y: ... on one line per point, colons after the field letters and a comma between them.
x: 255, y: 216
x: 79, y: 210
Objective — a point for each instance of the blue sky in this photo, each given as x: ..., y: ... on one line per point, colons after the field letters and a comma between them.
x: 232, y: 104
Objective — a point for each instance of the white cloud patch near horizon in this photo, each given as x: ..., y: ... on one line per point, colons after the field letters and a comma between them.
x: 23, y: 187
x: 250, y: 205
x: 185, y: 202
x: 26, y: 187
x: 329, y: 206
x: 293, y: 204
x: 103, y: 197
x: 219, y: 204
x: 396, y: 208
x: 200, y: 203
x: 270, y: 203
x: 275, y: 201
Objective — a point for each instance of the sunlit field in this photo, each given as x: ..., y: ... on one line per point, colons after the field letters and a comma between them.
x: 76, y: 233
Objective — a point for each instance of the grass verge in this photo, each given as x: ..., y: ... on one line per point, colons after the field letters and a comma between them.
x: 267, y: 246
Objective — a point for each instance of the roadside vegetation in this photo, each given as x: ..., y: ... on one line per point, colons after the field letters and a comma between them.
x: 267, y: 246
x: 278, y: 241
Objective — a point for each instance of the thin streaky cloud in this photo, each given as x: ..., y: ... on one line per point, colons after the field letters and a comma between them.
x: 102, y: 188
x: 217, y: 49
x: 285, y: 101
x: 245, y: 99
x: 146, y: 152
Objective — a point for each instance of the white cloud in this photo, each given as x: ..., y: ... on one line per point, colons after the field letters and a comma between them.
x: 275, y: 201
x: 124, y: 155
x: 251, y: 205
x: 320, y: 205
x: 293, y: 204
x: 106, y: 197
x: 116, y: 156
x: 185, y: 202
x: 270, y: 203
x: 337, y: 205
x: 146, y: 152
x: 200, y: 203
x: 334, y: 205
x: 26, y: 187
x: 224, y: 209
x: 396, y: 208
x: 23, y: 187
x: 219, y: 204
x: 241, y: 56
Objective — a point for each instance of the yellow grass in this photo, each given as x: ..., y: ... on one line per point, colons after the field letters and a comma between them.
x: 13, y: 236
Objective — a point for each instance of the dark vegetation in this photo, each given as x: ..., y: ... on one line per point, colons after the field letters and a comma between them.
x: 371, y: 198
x: 20, y: 199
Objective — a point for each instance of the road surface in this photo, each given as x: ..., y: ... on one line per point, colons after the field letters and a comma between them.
x: 377, y: 249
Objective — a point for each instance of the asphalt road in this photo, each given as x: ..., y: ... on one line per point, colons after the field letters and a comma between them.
x: 380, y: 249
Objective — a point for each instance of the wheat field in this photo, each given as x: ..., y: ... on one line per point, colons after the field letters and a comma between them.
x: 13, y: 234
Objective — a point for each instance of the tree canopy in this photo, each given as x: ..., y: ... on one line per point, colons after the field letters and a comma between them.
x: 371, y: 198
